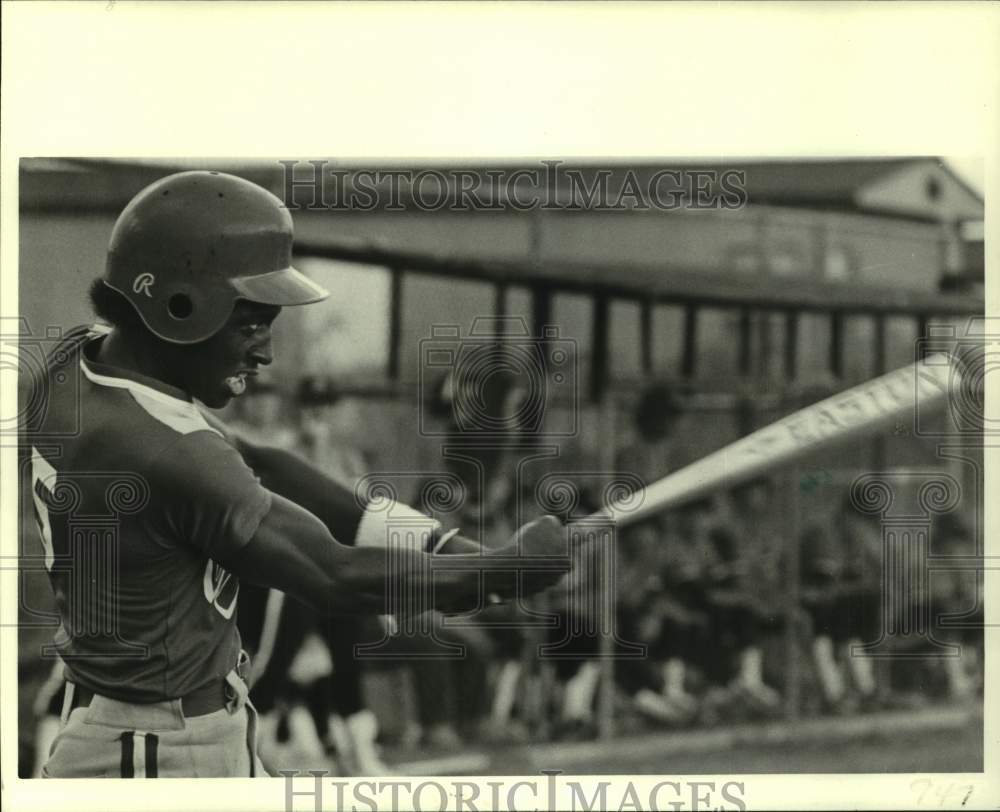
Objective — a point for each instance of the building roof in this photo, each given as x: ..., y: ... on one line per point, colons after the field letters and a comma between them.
x: 846, y: 184
x: 813, y: 181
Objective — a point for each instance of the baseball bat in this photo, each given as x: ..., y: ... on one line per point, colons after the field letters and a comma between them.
x: 851, y: 414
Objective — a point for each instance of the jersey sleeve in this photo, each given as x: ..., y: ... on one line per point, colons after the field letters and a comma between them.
x: 298, y: 480
x: 211, y: 499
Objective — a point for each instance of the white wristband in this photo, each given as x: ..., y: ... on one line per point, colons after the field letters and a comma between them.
x: 381, y: 514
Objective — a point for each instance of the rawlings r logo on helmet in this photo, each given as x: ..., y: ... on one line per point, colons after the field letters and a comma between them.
x: 143, y: 282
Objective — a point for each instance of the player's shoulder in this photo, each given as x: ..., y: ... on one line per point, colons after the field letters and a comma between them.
x: 191, y: 453
x: 203, y: 448
x: 135, y: 419
x: 202, y: 468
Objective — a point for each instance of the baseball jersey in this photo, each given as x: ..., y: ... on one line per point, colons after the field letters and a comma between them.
x: 137, y: 499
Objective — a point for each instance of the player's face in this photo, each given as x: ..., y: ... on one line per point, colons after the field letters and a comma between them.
x: 220, y: 367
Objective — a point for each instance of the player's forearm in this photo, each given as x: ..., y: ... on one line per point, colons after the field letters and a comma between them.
x: 364, y: 580
x: 293, y: 551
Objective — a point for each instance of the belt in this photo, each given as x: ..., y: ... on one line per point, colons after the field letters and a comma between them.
x: 200, y: 702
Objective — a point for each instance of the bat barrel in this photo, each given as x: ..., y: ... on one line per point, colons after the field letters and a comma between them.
x: 848, y: 415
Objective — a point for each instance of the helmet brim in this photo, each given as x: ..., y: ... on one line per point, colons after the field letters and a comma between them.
x: 285, y: 287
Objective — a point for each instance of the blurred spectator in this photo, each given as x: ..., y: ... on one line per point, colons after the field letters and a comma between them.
x: 957, y: 606
x: 744, y: 556
x: 821, y: 563
x: 659, y: 606
x: 340, y: 455
x: 841, y: 591
x: 654, y: 572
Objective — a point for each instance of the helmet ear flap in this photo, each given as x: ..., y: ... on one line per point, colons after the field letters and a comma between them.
x: 183, y: 312
x: 191, y: 312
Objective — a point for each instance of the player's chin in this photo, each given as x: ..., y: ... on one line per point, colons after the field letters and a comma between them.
x: 218, y: 397
x: 216, y: 403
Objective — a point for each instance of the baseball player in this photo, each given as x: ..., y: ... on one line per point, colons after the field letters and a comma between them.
x: 150, y: 514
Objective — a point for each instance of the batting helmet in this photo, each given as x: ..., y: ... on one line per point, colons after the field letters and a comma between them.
x: 188, y: 246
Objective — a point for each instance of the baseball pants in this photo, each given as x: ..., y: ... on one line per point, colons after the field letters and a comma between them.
x: 113, y: 739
